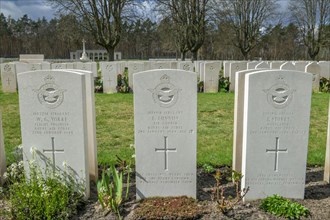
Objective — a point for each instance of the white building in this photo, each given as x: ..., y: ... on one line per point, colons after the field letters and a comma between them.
x: 94, y: 55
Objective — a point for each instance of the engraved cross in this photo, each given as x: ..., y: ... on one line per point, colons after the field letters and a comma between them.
x: 109, y: 80
x: 53, y: 151
x: 165, y: 150
x: 8, y: 81
x: 276, y: 151
x: 211, y: 80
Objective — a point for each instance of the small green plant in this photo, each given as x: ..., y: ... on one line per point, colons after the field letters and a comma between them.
x: 200, y: 86
x: 226, y: 204
x: 224, y: 83
x: 110, y: 187
x: 43, y: 193
x: 282, y: 207
x: 98, y: 85
x: 324, y: 85
x: 122, y: 82
x: 208, y: 168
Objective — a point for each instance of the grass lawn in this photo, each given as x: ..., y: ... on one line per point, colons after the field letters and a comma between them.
x: 115, y: 128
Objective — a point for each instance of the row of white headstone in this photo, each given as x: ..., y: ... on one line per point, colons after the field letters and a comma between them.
x: 9, y: 71
x: 208, y: 71
x: 272, y: 112
x: 319, y: 70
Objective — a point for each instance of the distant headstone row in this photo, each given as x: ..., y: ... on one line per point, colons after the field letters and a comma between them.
x: 208, y: 71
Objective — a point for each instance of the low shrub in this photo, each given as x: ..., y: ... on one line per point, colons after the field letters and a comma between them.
x: 282, y: 207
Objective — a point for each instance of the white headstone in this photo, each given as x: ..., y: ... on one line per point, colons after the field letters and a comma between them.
x: 161, y: 65
x: 2, y: 152
x: 89, y: 66
x: 91, y: 124
x: 325, y: 69
x: 300, y: 65
x: 174, y: 65
x: 287, y: 66
x: 109, y: 76
x: 53, y: 120
x: 25, y: 67
x: 186, y: 65
x: 8, y: 77
x: 201, y: 71
x: 211, y: 77
x: 238, y: 118
x: 165, y: 118
x: 314, y: 69
x: 69, y: 65
x: 226, y: 69
x: 276, y: 64
x: 275, y: 133
x: 147, y: 65
x: 45, y: 66
x: 262, y: 65
x: 59, y: 66
x: 31, y: 58
x: 134, y: 67
x: 327, y: 153
x: 252, y: 65
x: 235, y: 67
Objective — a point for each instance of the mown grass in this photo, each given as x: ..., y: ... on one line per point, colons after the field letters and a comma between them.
x: 115, y: 128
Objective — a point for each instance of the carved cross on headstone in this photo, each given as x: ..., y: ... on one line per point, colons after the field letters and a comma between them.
x: 53, y: 151
x: 276, y: 151
x: 8, y: 81
x: 165, y: 150
x: 109, y: 80
x: 211, y: 80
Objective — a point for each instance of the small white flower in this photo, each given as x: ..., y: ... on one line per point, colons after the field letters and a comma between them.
x: 20, y: 147
x: 33, y: 150
x: 65, y: 164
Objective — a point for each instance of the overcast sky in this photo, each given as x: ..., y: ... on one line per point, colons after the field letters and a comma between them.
x: 33, y: 8
x: 38, y: 8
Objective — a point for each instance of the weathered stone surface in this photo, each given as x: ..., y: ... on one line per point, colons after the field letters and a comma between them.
x: 54, y: 122
x: 275, y: 133
x: 165, y: 118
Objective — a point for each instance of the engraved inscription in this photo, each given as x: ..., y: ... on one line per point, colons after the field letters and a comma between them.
x: 274, y: 179
x: 52, y: 123
x: 277, y: 123
x: 165, y: 122
x: 165, y: 94
x: 166, y: 178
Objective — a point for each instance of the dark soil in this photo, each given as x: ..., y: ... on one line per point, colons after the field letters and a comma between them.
x: 317, y: 200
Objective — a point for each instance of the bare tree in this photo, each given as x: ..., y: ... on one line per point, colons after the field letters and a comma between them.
x: 245, y: 18
x: 189, y: 23
x: 102, y: 18
x: 311, y: 17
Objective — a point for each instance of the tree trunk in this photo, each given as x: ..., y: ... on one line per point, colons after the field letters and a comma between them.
x: 194, y: 55
x: 183, y: 56
x: 111, y: 53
